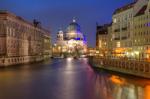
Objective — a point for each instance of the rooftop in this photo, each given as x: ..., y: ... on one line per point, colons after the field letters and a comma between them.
x: 7, y: 13
x: 126, y: 7
x: 141, y: 11
x: 103, y: 29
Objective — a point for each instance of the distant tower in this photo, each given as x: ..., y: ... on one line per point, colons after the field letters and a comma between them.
x: 60, y: 35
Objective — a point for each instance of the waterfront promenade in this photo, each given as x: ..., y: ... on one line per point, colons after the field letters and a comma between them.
x: 139, y: 68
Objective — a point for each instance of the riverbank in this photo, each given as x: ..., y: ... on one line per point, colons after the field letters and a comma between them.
x: 131, y: 67
x: 10, y: 61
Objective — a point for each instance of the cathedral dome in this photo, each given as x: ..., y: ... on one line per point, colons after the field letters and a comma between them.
x: 74, y: 27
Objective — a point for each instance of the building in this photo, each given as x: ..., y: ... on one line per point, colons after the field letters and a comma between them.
x: 122, y: 29
x: 92, y: 52
x: 72, y: 42
x: 129, y: 34
x: 102, y: 39
x: 141, y: 38
x: 22, y: 41
x: 47, y: 45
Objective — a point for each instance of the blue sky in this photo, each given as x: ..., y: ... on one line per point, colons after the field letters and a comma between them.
x: 59, y: 13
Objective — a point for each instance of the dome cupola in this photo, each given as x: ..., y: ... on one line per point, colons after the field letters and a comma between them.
x: 74, y: 27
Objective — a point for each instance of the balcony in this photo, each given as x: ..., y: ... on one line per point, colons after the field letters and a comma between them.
x: 124, y: 29
x: 117, y: 38
x: 117, y: 30
x: 123, y: 38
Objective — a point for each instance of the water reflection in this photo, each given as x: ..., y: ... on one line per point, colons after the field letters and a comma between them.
x: 110, y: 86
x: 69, y: 79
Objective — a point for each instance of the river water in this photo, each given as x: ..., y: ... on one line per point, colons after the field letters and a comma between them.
x: 69, y: 79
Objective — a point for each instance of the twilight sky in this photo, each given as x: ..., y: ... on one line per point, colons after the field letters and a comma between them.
x: 59, y: 13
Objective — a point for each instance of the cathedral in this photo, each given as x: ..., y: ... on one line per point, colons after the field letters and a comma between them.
x: 72, y: 42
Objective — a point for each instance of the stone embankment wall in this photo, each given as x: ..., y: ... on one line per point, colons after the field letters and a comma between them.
x: 21, y: 60
x: 132, y: 67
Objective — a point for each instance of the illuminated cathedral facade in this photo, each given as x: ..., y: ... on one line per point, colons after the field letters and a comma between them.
x: 72, y: 42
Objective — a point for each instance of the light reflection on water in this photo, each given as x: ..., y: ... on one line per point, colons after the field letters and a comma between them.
x: 69, y: 79
x: 111, y: 86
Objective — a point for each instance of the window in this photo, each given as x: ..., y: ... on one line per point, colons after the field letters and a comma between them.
x: 118, y: 44
x: 7, y: 30
x: 115, y: 20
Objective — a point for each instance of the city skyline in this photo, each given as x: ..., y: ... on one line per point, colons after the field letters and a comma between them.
x: 56, y: 14
x: 75, y: 49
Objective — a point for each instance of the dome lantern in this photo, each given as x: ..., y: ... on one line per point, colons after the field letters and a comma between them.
x: 74, y: 27
x: 74, y: 20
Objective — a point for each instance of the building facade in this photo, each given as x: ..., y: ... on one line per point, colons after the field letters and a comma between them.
x: 102, y: 39
x: 122, y: 29
x: 72, y: 42
x: 141, y: 38
x: 22, y: 41
x: 92, y: 52
x: 129, y: 34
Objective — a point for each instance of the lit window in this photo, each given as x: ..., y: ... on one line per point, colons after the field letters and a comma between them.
x: 100, y: 44
x: 118, y: 44
x: 115, y: 20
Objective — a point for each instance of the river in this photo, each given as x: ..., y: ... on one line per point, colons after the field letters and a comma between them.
x: 69, y: 79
